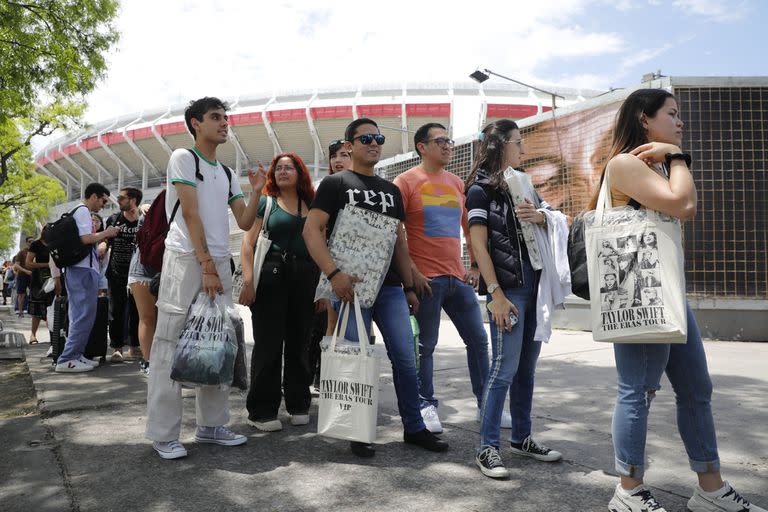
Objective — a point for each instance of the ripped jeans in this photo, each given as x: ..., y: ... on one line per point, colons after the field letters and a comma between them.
x: 639, y: 368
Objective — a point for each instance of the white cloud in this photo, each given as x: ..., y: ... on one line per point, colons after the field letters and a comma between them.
x: 173, y: 51
x: 715, y: 10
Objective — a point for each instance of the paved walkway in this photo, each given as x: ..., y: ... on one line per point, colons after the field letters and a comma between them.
x: 87, y: 452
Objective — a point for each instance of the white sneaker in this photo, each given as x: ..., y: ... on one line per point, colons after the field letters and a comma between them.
x: 91, y: 362
x: 299, y: 419
x: 506, y: 419
x: 73, y: 366
x: 431, y: 419
x: 530, y: 448
x: 219, y: 435
x: 267, y: 426
x: 726, y: 499
x: 638, y: 499
x: 170, y: 450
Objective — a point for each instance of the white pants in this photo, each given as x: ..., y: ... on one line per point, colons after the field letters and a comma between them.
x: 180, y: 284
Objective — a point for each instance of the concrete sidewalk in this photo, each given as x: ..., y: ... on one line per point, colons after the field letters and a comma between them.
x: 87, y: 452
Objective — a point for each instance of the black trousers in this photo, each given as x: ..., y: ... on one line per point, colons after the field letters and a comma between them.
x: 123, y: 316
x: 282, y: 317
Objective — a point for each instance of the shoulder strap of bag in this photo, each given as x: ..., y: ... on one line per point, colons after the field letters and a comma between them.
x: 267, y: 211
x: 199, y: 177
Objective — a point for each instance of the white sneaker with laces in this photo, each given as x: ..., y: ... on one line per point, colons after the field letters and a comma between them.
x: 170, y: 449
x: 73, y: 366
x: 726, y: 499
x: 299, y: 419
x: 91, y: 362
x: 530, y: 448
x: 506, y: 419
x: 431, y: 419
x: 638, y: 499
x: 219, y: 435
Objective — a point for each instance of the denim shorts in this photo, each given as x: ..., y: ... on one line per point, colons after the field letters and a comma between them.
x: 138, y: 273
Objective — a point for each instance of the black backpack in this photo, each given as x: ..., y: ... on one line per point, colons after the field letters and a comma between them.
x: 63, y: 240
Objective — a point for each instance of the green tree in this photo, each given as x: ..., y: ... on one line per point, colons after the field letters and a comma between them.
x: 52, y: 53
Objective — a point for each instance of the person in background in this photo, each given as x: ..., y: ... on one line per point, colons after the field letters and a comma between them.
x: 339, y: 160
x: 139, y: 277
x: 23, y: 278
x: 122, y: 331
x: 37, y: 260
x: 511, y: 286
x: 9, y: 280
x: 82, y: 283
x: 102, y: 252
x: 648, y: 167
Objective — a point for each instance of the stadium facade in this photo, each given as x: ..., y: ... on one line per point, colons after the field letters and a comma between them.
x: 726, y: 132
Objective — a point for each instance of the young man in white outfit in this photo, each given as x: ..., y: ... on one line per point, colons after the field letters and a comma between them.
x: 196, y: 259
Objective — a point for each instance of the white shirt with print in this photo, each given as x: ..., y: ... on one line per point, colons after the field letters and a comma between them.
x: 213, y: 198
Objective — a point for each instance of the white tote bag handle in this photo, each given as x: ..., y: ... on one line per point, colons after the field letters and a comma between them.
x: 603, y: 199
x: 267, y: 211
x: 341, y: 327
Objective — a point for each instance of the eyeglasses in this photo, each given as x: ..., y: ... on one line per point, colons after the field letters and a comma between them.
x: 334, y: 142
x: 286, y: 168
x: 370, y: 137
x: 443, y: 141
x: 518, y: 142
x: 121, y: 197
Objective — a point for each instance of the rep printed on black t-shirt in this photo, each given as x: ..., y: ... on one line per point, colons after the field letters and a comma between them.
x: 370, y: 192
x: 121, y: 246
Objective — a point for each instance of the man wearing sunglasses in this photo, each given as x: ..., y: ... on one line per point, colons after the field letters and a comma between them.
x: 360, y: 186
x: 435, y: 216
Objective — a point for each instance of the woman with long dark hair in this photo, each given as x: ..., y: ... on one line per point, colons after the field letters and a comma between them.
x: 508, y: 279
x: 648, y: 169
x: 282, y: 307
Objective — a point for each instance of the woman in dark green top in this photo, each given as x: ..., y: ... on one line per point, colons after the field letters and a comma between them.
x: 282, y: 307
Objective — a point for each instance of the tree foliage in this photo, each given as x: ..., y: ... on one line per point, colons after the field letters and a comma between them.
x: 52, y: 49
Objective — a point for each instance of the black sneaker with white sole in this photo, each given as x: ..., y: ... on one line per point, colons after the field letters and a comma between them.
x: 530, y: 448
x: 490, y: 463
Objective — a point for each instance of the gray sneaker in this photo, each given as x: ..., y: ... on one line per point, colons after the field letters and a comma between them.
x: 638, y: 499
x: 170, y: 449
x: 727, y: 501
x: 490, y: 464
x: 219, y: 435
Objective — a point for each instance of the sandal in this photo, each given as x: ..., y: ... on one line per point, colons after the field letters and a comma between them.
x: 33, y: 341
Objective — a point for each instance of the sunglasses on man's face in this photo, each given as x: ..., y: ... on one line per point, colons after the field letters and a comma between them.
x: 370, y: 137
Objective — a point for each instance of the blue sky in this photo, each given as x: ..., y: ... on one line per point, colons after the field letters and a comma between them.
x: 175, y: 50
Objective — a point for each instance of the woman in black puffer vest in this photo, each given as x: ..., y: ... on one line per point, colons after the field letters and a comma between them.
x: 510, y: 283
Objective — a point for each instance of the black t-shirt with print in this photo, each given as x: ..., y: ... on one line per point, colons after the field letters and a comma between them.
x: 121, y: 246
x: 370, y: 192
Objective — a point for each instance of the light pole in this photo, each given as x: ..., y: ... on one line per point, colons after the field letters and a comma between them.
x: 481, y: 76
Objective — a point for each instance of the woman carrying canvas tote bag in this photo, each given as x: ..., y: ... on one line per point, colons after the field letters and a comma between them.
x: 647, y: 138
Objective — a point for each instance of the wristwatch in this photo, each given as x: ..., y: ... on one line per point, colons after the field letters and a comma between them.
x: 675, y: 156
x: 492, y: 288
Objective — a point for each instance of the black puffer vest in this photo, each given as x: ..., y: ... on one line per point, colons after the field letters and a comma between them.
x: 504, y: 245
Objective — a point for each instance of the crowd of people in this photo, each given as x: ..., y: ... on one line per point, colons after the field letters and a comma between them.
x: 426, y: 276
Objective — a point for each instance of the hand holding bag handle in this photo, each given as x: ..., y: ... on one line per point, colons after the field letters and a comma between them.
x: 341, y: 327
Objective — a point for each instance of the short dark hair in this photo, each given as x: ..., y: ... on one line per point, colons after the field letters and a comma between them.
x: 351, y: 131
x: 133, y: 193
x: 198, y: 108
x: 95, y: 188
x: 422, y: 135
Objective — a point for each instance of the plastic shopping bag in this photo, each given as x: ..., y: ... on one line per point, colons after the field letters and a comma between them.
x: 205, y: 352
x: 240, y: 380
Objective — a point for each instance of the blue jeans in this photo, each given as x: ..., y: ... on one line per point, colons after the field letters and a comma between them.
x: 390, y: 311
x: 513, y: 365
x: 82, y: 291
x: 639, y: 368
x: 459, y: 301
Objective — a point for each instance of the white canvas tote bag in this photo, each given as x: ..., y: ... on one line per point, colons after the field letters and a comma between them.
x: 636, y: 274
x: 263, y: 243
x: 349, y: 384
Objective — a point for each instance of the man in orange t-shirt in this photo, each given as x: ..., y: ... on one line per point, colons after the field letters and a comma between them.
x: 435, y: 215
